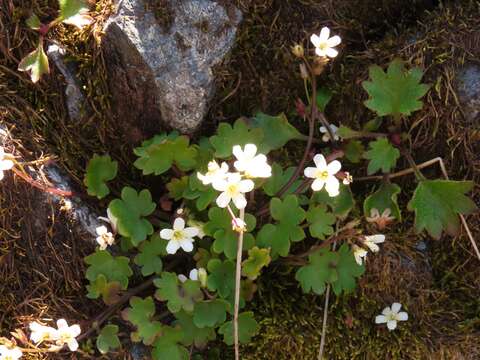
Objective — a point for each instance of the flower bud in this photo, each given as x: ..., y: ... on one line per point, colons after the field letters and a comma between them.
x: 298, y: 51
x: 202, y: 276
x: 303, y: 71
x: 238, y: 225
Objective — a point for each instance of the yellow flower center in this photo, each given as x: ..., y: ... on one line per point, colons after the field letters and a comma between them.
x: 232, y: 190
x: 322, y: 175
x: 178, y: 235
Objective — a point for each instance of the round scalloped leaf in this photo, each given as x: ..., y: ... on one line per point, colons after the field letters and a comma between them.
x: 100, y: 169
x: 247, y: 328
x: 108, y: 339
x: 382, y: 155
x: 384, y: 198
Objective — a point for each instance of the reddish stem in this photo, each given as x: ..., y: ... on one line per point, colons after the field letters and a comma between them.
x: 40, y: 186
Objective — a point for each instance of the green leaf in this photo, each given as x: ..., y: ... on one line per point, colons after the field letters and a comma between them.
x: 354, y: 150
x: 35, y: 63
x: 203, y: 194
x: 382, y: 155
x: 177, y: 187
x: 210, y: 313
x: 192, y: 334
x: 321, y: 269
x: 320, y: 222
x: 340, y: 205
x: 395, y: 92
x: 130, y: 212
x: 277, y: 131
x: 324, y: 96
x: 158, y: 154
x: 178, y: 295
x: 33, y: 22
x: 247, y: 328
x: 113, y: 268
x: 221, y: 277
x: 437, y: 204
x: 167, y: 346
x: 257, y: 259
x: 346, y: 133
x: 109, y: 291
x: 384, y: 198
x: 278, y: 179
x: 278, y: 237
x: 228, y: 136
x: 226, y: 239
x: 149, y: 257
x: 373, y: 125
x: 100, y: 169
x: 74, y: 12
x: 141, y: 313
x: 108, y: 339
x: 347, y: 270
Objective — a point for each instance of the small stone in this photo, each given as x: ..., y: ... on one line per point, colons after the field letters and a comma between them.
x: 468, y: 88
x: 162, y: 70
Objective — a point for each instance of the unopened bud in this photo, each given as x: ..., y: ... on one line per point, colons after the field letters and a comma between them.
x: 348, y: 179
x: 239, y: 225
x: 202, y: 276
x: 298, y: 51
x: 303, y: 71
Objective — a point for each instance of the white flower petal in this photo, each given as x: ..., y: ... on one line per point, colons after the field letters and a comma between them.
x: 191, y: 232
x: 250, y: 150
x: 222, y: 200
x: 193, y: 274
x: 6, y: 164
x: 334, y: 167
x: 186, y: 244
x: 380, y: 319
x: 315, y: 39
x: 387, y: 311
x: 324, y: 34
x: 377, y: 239
x: 75, y: 330
x: 332, y: 186
x: 72, y: 345
x: 179, y: 224
x: 166, y: 234
x: 396, y: 307
x: 402, y: 316
x: 62, y: 324
x: 320, y: 162
x: 320, y: 52
x: 220, y: 184
x: 331, y: 52
x: 1, y: 174
x: 246, y: 186
x: 182, y: 278
x: 172, y: 247
x: 317, y: 184
x: 101, y: 230
x: 334, y: 41
x: 239, y: 201
x: 373, y: 247
x: 391, y: 324
x: 310, y: 172
x: 237, y: 151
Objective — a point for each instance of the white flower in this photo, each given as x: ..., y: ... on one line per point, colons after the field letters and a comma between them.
x: 182, y: 278
x: 195, y: 275
x: 112, y: 220
x: 254, y: 166
x: 79, y: 20
x: 324, y: 44
x: 67, y: 334
x: 179, y: 236
x: 233, y: 188
x: 391, y: 316
x: 372, y: 241
x: 40, y: 333
x: 359, y: 254
x: 238, y: 225
x: 324, y: 175
x: 348, y: 179
x: 214, y: 173
x: 5, y: 164
x: 105, y: 237
x: 326, y: 134
x: 10, y: 354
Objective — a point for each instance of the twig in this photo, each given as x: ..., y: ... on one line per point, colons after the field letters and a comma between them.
x: 238, y: 274
x: 38, y: 185
x: 325, y: 316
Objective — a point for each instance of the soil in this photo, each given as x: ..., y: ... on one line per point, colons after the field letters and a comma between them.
x: 41, y: 255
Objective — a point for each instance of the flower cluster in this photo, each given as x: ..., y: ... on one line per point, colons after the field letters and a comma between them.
x: 55, y: 338
x: 234, y: 185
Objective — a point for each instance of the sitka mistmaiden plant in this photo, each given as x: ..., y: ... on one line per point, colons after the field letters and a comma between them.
x: 232, y: 208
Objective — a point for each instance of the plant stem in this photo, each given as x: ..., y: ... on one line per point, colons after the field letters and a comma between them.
x: 40, y: 186
x: 238, y: 273
x: 414, y: 166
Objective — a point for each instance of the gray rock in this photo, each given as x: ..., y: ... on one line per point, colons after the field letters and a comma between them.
x: 75, y: 99
x: 468, y: 88
x: 162, y: 70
